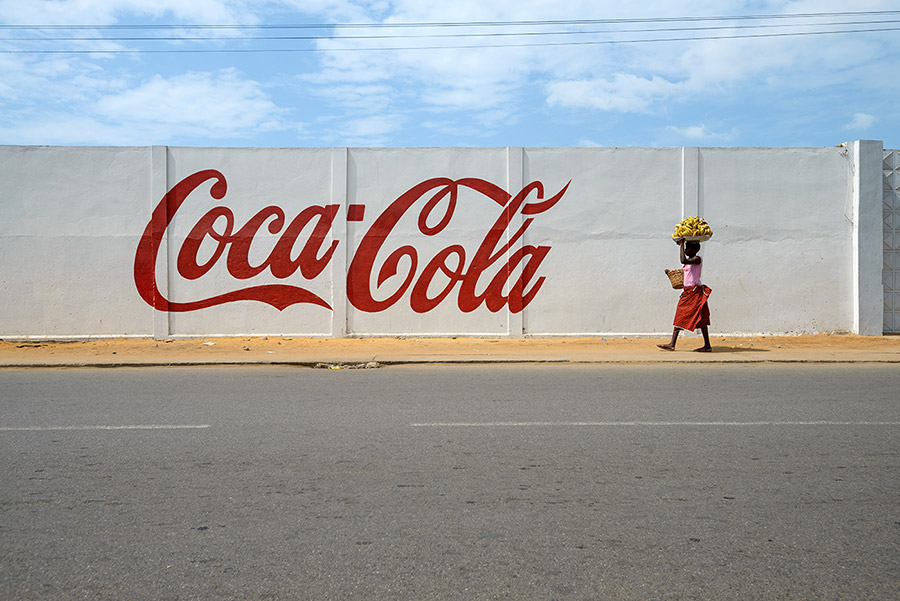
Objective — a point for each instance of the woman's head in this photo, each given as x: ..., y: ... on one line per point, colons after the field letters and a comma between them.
x: 691, y: 248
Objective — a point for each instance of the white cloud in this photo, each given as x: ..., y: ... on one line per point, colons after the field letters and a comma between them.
x: 101, y: 12
x: 65, y: 129
x: 624, y: 93
x: 458, y: 79
x: 370, y: 131
x: 700, y: 133
x: 622, y: 78
x: 470, y: 80
x: 369, y: 98
x: 220, y: 105
x: 649, y: 77
x: 195, y: 11
x: 468, y: 96
x: 444, y: 95
x: 51, y: 80
x: 203, y: 104
x: 861, y: 121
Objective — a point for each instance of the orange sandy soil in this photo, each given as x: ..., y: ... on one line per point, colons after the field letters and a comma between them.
x: 286, y: 349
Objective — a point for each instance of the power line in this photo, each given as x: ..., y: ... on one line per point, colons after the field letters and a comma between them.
x: 435, y: 36
x: 453, y: 47
x: 455, y: 23
x: 440, y: 36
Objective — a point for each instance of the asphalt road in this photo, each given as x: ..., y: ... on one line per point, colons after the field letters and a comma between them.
x: 451, y: 482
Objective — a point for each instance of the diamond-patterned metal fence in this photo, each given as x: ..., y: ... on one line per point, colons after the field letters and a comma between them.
x: 891, y: 271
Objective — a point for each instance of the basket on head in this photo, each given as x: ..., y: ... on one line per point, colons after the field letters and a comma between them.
x: 676, y: 277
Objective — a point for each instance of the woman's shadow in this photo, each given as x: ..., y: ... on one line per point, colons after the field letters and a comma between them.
x: 737, y: 349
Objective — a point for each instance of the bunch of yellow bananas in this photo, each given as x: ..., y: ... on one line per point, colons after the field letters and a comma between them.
x: 692, y: 226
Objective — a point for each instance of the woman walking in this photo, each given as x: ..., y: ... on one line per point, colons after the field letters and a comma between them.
x: 692, y: 311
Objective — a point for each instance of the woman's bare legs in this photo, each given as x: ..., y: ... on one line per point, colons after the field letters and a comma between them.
x: 706, y: 348
x: 671, y: 345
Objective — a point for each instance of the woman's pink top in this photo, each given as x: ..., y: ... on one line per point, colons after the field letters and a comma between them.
x: 692, y: 274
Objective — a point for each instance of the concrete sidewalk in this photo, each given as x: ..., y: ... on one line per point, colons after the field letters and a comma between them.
x: 351, y: 352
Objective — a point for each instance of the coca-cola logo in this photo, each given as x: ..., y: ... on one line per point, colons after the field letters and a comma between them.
x: 501, y: 272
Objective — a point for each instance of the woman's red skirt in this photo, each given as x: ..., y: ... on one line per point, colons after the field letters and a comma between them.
x: 692, y: 311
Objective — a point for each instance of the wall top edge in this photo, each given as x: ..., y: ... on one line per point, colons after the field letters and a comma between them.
x: 30, y: 147
x: 421, y: 148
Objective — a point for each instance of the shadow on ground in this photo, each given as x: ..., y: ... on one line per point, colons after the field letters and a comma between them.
x: 739, y: 349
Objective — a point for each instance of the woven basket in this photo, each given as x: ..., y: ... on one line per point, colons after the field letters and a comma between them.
x: 676, y: 276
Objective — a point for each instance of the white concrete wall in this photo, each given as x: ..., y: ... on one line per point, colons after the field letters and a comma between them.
x: 792, y: 250
x: 69, y: 221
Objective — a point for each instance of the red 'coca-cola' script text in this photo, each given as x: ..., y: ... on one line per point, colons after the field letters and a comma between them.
x: 501, y: 272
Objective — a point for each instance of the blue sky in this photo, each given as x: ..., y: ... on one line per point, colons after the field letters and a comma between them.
x: 541, y: 89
